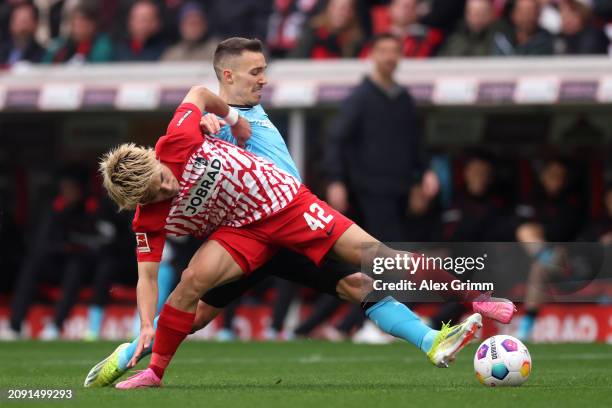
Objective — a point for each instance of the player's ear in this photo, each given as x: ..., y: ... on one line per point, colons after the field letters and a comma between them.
x: 228, y: 76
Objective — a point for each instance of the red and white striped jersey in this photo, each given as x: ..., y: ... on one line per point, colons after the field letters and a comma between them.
x: 220, y: 184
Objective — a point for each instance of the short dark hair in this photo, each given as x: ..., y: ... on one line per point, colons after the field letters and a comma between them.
x: 35, y: 11
x: 385, y: 36
x: 88, y: 11
x: 233, y: 47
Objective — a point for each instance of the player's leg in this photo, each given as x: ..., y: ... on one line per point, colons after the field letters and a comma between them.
x: 397, y: 319
x: 112, y: 367
x: 211, y: 266
x: 211, y: 304
x: 355, y: 245
x: 224, y: 257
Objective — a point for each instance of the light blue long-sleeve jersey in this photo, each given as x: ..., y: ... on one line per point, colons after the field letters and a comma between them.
x: 266, y: 141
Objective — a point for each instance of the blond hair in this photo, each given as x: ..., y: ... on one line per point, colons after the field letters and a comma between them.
x: 127, y: 171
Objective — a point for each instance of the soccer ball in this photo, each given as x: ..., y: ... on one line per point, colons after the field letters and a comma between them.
x: 502, y: 361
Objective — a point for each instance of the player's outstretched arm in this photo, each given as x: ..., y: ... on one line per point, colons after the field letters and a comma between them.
x: 207, y: 101
x: 146, y: 292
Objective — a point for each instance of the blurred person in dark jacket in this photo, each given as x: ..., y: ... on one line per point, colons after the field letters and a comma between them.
x: 20, y: 45
x: 476, y: 210
x: 525, y: 36
x: 476, y: 215
x: 578, y: 34
x: 62, y: 251
x: 144, y: 41
x: 443, y: 14
x: 239, y: 18
x: 112, y: 244
x: 335, y: 33
x: 85, y: 43
x: 196, y: 43
x: 474, y: 37
x: 554, y: 216
x: 375, y: 148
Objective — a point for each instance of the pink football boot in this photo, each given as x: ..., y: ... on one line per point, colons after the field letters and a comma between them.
x: 498, y: 309
x: 144, y: 379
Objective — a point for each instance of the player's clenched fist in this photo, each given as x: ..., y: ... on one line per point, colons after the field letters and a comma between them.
x: 211, y: 124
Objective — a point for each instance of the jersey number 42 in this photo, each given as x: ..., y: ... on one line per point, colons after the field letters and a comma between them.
x: 316, y: 218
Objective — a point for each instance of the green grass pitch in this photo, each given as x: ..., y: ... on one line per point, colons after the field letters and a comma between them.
x: 311, y: 374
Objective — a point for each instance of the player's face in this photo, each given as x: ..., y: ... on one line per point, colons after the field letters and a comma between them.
x: 163, y: 186
x: 248, y: 78
x: 553, y: 178
x: 386, y: 55
x: 478, y: 176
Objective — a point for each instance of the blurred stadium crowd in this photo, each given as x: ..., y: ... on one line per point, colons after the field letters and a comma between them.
x: 478, y: 196
x: 77, y: 31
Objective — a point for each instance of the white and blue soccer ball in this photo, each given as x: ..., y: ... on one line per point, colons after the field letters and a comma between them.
x: 502, y: 361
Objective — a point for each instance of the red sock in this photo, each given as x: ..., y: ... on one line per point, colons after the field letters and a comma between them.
x: 173, y: 326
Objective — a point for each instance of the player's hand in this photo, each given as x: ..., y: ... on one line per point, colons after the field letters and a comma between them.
x: 211, y: 124
x: 337, y: 196
x: 241, y: 131
x: 144, y: 342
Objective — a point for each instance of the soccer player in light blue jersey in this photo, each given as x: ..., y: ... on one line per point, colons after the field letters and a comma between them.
x: 240, y: 67
x: 265, y: 141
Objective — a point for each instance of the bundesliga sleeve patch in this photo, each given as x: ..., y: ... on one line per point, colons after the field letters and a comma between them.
x: 182, y: 119
x: 142, y: 243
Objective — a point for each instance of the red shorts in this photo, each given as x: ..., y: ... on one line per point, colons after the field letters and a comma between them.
x: 307, y: 225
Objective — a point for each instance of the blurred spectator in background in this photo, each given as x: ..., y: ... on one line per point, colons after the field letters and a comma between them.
x: 473, y: 37
x: 578, y: 33
x: 60, y: 252
x: 196, y: 43
x: 475, y: 216
x: 113, y: 244
x: 84, y: 42
x: 476, y: 211
x: 144, y: 41
x: 239, y: 18
x: 525, y: 36
x: 555, y: 212
x: 285, y: 25
x: 554, y: 216
x: 423, y: 216
x: 20, y: 45
x: 335, y: 33
x: 550, y: 18
x: 418, y: 40
x: 375, y: 148
x: 170, y: 12
x: 443, y: 14
x: 600, y: 229
x: 6, y: 9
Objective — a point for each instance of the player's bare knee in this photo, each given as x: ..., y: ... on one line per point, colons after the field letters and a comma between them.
x: 192, y: 283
